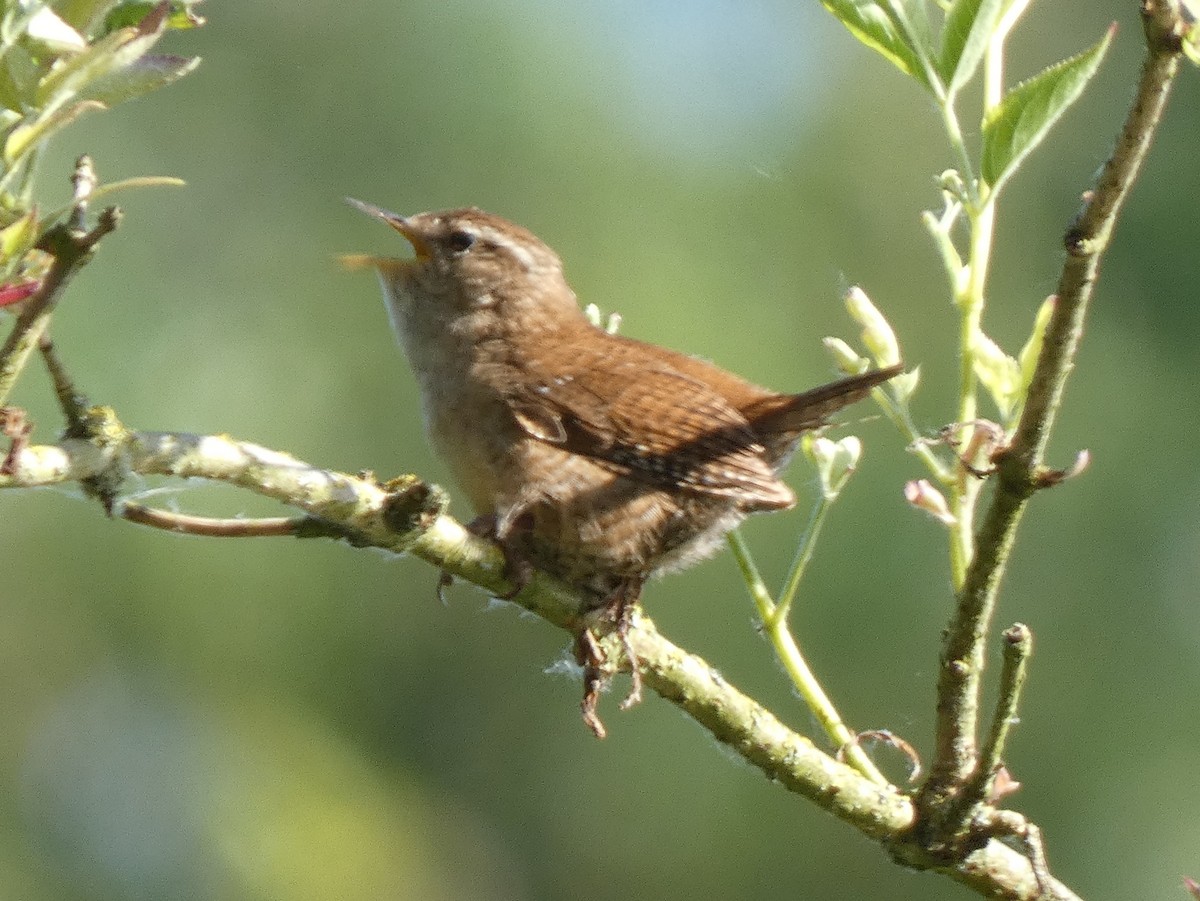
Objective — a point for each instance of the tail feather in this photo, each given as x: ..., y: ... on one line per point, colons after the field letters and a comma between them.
x: 795, y: 413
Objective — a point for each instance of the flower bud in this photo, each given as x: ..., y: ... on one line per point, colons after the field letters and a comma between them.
x: 877, y: 334
x: 835, y: 460
x: 922, y: 495
x: 844, y: 356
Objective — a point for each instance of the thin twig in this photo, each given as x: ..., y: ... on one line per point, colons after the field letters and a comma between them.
x: 73, y: 404
x: 273, y: 526
x: 775, y: 626
x: 1018, y: 645
x: 71, y: 250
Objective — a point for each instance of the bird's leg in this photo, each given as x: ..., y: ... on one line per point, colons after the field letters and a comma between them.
x: 505, y: 532
x: 618, y: 609
x: 591, y: 658
x: 619, y: 606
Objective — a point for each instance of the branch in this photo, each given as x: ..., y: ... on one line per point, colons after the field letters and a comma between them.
x: 406, y: 515
x: 72, y: 247
x: 207, y: 527
x: 1018, y: 645
x: 1020, y: 470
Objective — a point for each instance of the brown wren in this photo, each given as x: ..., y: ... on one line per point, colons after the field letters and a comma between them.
x: 597, y: 458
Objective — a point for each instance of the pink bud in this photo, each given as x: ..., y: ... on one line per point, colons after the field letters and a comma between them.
x: 922, y: 495
x: 15, y: 292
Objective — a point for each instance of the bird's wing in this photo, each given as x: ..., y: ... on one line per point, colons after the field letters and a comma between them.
x: 649, y: 421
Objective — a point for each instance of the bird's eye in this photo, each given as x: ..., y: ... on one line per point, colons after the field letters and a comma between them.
x: 460, y: 241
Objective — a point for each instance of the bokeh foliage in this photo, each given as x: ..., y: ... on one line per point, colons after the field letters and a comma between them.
x: 191, y: 718
x: 58, y: 62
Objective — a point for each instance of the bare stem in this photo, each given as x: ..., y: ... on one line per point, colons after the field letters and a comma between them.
x: 73, y: 404
x: 773, y: 616
x: 209, y: 527
x: 1018, y: 645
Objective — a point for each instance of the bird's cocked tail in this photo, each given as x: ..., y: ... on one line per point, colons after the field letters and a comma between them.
x: 796, y: 413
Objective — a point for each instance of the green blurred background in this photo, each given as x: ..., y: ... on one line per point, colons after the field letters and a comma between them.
x: 188, y: 718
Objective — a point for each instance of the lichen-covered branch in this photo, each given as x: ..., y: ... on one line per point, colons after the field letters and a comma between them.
x: 407, y: 515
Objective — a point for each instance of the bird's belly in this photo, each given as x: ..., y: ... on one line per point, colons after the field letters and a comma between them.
x: 480, y: 468
x: 595, y: 529
x: 574, y: 517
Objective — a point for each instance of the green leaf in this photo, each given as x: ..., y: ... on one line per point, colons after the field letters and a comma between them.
x: 55, y: 35
x: 18, y: 79
x: 180, y: 15
x: 1033, y: 347
x: 14, y: 22
x: 912, y: 18
x: 143, y: 181
x: 1022, y: 119
x: 1191, y: 43
x: 18, y: 238
x: 27, y: 135
x: 140, y: 77
x: 874, y: 25
x: 110, y: 53
x: 114, y: 187
x: 966, y: 34
x: 82, y: 15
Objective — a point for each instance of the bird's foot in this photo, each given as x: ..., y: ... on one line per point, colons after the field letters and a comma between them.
x: 445, y: 580
x: 620, y: 607
x: 618, y: 610
x: 517, y: 569
x: 591, y: 658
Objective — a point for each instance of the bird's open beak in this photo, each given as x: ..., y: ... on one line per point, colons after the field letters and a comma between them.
x: 396, y: 221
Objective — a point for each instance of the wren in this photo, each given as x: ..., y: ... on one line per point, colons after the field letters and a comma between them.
x: 597, y: 458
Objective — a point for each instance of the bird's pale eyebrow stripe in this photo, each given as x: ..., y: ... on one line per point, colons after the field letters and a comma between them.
x: 516, y: 248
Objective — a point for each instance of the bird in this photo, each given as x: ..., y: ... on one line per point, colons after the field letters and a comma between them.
x: 595, y: 457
